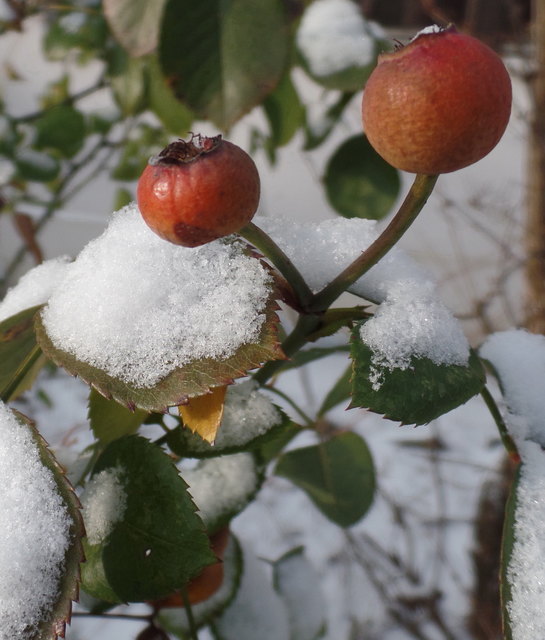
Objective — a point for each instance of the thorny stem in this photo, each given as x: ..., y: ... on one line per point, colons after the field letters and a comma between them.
x: 506, y: 439
x: 256, y: 236
x: 406, y: 215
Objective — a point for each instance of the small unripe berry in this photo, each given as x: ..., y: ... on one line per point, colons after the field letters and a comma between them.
x: 199, y: 190
x: 438, y: 104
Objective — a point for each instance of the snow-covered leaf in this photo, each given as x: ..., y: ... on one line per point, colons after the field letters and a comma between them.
x: 359, y: 183
x: 415, y: 394
x: 156, y: 323
x: 249, y: 421
x: 337, y: 475
x: 202, y: 415
x: 110, y: 420
x: 222, y: 487
x: 175, y: 620
x: 19, y: 354
x: 298, y: 584
x: 40, y: 541
x: 223, y: 56
x: 144, y: 538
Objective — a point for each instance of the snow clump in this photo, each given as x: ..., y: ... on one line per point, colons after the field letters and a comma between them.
x: 35, y: 532
x: 34, y: 287
x: 518, y: 357
x: 139, y: 307
x: 333, y: 35
x: 104, y: 502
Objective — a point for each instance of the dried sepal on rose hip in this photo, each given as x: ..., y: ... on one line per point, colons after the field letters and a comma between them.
x: 438, y: 104
x: 198, y: 190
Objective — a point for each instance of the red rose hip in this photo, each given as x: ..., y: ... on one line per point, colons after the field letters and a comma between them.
x: 438, y: 104
x: 199, y: 190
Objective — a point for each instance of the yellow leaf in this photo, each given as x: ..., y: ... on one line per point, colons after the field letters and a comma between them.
x: 203, y: 414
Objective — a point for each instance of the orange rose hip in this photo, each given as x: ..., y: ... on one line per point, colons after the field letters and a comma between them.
x: 438, y: 104
x: 198, y: 190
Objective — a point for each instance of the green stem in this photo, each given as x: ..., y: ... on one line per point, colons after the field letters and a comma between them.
x: 190, y: 617
x: 296, y: 339
x: 506, y: 439
x: 407, y: 213
x: 307, y: 419
x: 256, y: 236
x: 20, y: 374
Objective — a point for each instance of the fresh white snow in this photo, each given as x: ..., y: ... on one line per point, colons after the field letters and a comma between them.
x: 104, y: 502
x: 333, y: 36
x: 35, y: 532
x: 138, y: 307
x: 34, y: 287
x: 221, y: 485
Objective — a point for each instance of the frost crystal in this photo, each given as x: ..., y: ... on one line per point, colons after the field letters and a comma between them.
x: 104, y: 501
x: 334, y: 36
x: 34, y: 287
x: 35, y: 532
x: 223, y: 484
x: 139, y: 307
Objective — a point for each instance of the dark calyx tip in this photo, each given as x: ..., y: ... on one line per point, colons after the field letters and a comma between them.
x: 186, y: 151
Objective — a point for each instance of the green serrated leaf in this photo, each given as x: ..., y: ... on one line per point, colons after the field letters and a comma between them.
x: 222, y: 57
x: 172, y: 113
x: 415, y: 395
x: 158, y: 542
x: 135, y: 23
x: 175, y: 620
x: 337, y: 475
x: 20, y: 359
x: 110, y: 420
x: 54, y: 622
x: 62, y: 128
x: 341, y: 391
x: 359, y: 183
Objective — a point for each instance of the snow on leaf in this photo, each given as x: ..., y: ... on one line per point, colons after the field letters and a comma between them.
x: 155, y: 323
x: 417, y: 393
x: 146, y: 539
x: 248, y: 417
x: 40, y: 541
x: 203, y: 414
x: 221, y: 487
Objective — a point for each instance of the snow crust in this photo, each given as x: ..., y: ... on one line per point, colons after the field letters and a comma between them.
x: 432, y: 28
x: 139, y: 307
x: 222, y: 484
x: 411, y: 321
x: 519, y: 359
x: 34, y: 287
x: 35, y: 532
x: 333, y: 36
x: 104, y: 502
